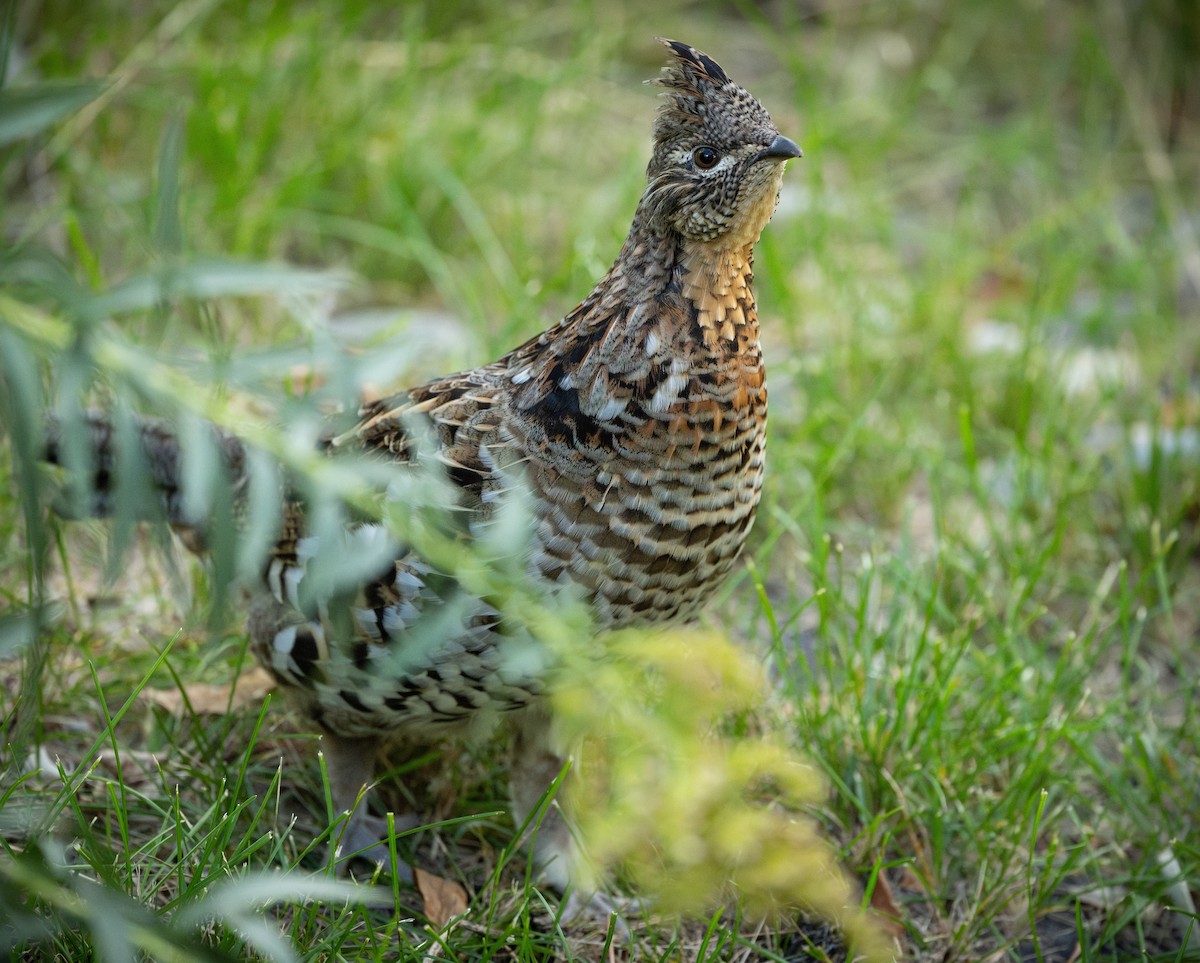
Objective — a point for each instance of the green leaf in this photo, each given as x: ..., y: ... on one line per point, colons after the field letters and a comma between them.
x: 27, y: 110
x: 167, y: 231
x: 16, y: 632
x: 22, y: 406
x: 212, y: 278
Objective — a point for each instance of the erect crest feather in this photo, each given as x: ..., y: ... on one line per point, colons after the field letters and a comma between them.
x: 691, y: 79
x: 693, y: 69
x: 691, y: 66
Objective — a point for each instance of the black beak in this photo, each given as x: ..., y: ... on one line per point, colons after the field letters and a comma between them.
x: 781, y: 148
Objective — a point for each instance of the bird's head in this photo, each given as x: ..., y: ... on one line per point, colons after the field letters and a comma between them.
x: 718, y: 159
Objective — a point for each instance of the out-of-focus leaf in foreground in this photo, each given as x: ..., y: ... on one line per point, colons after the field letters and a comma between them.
x: 26, y: 110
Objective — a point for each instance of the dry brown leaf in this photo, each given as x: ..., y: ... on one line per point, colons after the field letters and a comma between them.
x: 248, y: 689
x: 883, y: 902
x: 444, y: 898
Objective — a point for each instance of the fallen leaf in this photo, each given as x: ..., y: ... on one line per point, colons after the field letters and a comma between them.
x: 444, y: 898
x: 883, y: 902
x: 207, y: 698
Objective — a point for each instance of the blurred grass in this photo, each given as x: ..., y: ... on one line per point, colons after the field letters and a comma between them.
x: 974, y: 573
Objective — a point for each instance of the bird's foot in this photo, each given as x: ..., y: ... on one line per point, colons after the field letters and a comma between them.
x: 582, y: 906
x: 365, y: 840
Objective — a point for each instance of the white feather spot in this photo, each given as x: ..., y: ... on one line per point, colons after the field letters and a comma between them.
x: 285, y: 640
x: 667, y: 393
x: 274, y: 579
x: 397, y: 618
x: 610, y: 409
x: 292, y: 578
x: 369, y: 534
x: 406, y: 582
x: 367, y: 623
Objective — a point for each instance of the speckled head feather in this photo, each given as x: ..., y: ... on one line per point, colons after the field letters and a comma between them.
x: 705, y: 175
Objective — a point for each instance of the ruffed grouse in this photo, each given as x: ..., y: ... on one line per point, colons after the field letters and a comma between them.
x: 636, y: 425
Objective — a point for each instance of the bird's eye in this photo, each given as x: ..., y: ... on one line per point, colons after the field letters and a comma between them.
x: 705, y: 158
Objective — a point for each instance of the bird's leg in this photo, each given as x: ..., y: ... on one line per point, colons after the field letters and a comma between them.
x: 350, y: 766
x: 557, y: 856
x: 533, y: 769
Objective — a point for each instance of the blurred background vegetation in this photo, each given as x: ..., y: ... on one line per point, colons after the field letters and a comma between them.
x: 974, y: 577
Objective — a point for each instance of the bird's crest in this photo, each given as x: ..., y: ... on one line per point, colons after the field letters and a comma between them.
x: 693, y: 71
x: 691, y: 79
x: 700, y: 94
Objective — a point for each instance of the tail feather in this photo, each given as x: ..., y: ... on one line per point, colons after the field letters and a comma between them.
x: 103, y: 455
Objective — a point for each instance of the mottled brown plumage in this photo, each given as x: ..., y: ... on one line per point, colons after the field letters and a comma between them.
x: 636, y: 424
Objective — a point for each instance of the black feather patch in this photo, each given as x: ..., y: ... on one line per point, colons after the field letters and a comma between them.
x: 701, y: 61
